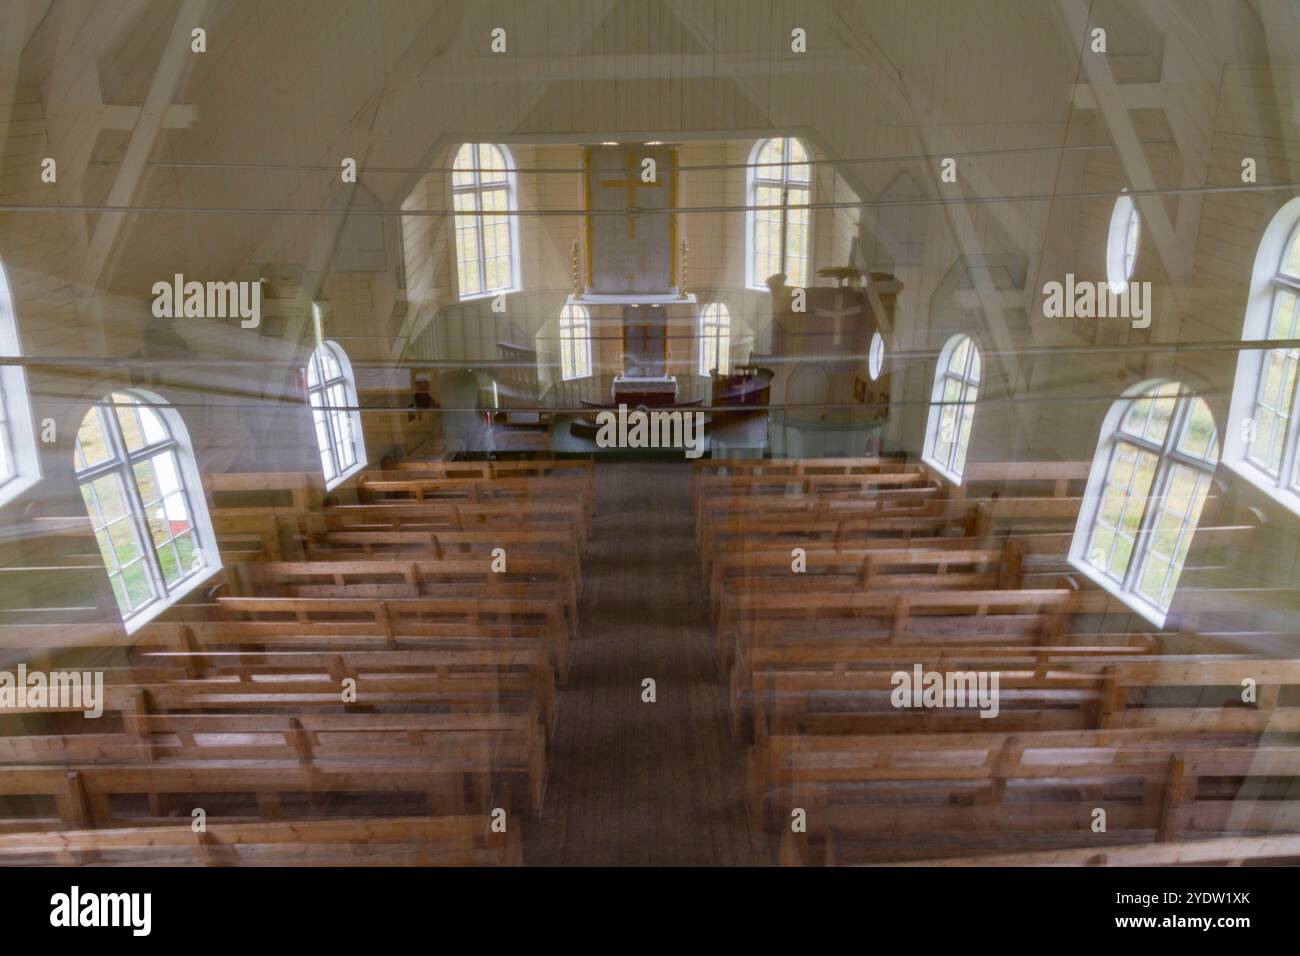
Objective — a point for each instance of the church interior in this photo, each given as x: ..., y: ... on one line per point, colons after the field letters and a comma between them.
x: 649, y: 432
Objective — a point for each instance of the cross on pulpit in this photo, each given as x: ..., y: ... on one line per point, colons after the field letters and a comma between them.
x: 632, y: 182
x: 839, y: 314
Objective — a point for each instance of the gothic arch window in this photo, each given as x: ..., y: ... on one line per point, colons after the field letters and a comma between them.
x: 952, y: 407
x: 19, y: 462
x: 575, y: 342
x: 780, y: 237
x: 332, y: 393
x: 1150, y: 476
x: 145, y: 500
x: 715, y: 339
x: 1262, y: 443
x: 1122, y: 242
x: 487, y: 237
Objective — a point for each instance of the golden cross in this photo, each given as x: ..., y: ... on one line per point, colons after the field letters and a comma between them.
x: 632, y: 183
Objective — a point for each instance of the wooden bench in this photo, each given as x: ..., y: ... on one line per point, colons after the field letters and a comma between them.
x: 1283, y: 849
x: 772, y: 671
x: 578, y: 472
x: 773, y: 562
x: 1079, y: 689
x: 906, y: 796
x: 480, y: 750
x: 393, y: 622
x: 895, y: 616
x: 94, y: 795
x: 523, y: 577
x: 713, y: 490
x: 427, y: 516
x: 738, y: 535
x: 577, y: 469
x: 351, y: 545
x: 915, y: 566
x: 522, y: 495
x: 381, y: 841
x: 797, y: 467
x: 761, y: 512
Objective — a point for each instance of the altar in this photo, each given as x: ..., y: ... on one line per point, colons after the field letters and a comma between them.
x: 648, y: 390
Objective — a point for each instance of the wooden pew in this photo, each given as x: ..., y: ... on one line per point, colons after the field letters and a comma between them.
x: 293, y: 490
x: 915, y: 796
x: 1080, y: 689
x: 576, y: 469
x: 775, y: 654
x: 1011, y: 616
x: 773, y: 563
x: 760, y: 511
x: 1283, y: 849
x: 798, y: 467
x: 95, y: 795
x: 522, y: 495
x: 480, y: 750
x: 738, y: 535
x: 352, y: 545
x: 425, y: 516
x: 393, y: 622
x: 580, y: 473
x: 898, y: 568
x: 712, y: 490
x: 523, y: 577
x: 1059, y: 479
x: 381, y: 841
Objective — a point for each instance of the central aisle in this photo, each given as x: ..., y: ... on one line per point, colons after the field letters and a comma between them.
x: 631, y: 782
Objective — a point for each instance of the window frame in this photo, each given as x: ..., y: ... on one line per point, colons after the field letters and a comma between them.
x: 1269, y: 281
x: 18, y: 445
x: 876, y: 353
x: 1168, y: 456
x: 334, y: 414
x: 477, y: 188
x: 942, y: 374
x: 754, y: 181
x: 122, y: 463
x: 1125, y: 231
x: 715, y: 324
x: 575, y: 317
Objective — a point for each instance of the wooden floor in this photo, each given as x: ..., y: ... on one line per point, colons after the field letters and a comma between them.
x: 631, y: 782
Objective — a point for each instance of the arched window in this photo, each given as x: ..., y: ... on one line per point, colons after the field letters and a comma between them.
x: 952, y: 407
x: 1152, y: 471
x: 876, y: 356
x: 1263, y: 441
x: 19, y: 464
x: 482, y: 194
x: 1122, y: 243
x: 332, y: 392
x: 715, y: 339
x: 780, y: 238
x: 142, y: 491
x: 575, y: 342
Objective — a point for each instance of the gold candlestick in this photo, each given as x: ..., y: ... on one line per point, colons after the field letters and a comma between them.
x: 685, y: 251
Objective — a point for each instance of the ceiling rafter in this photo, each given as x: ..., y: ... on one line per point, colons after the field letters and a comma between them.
x: 912, y: 105
x: 173, y: 67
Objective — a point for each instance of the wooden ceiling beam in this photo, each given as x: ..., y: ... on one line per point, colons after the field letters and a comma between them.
x: 177, y: 59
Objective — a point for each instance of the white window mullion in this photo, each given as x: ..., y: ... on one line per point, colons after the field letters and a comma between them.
x: 1286, y: 472
x: 1159, y: 490
x: 137, y: 515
